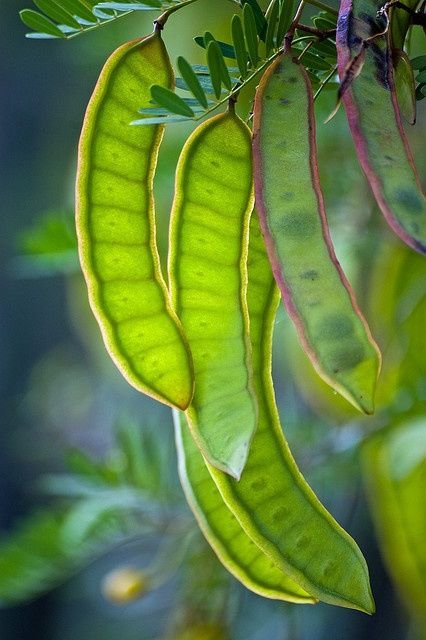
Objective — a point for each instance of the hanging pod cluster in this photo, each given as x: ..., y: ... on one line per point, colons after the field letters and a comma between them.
x: 203, y: 344
x: 374, y: 114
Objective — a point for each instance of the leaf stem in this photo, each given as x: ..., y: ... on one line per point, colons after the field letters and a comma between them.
x: 308, y: 46
x: 319, y: 33
x: 101, y: 23
x: 324, y: 82
x: 290, y: 33
x: 98, y: 24
x: 268, y: 10
x: 235, y: 90
x: 161, y: 20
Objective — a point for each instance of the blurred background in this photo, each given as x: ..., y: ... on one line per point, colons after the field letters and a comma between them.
x: 96, y: 538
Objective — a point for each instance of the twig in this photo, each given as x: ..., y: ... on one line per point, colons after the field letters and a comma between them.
x: 161, y: 20
x: 324, y: 82
x: 288, y: 38
x: 308, y: 46
x: 322, y: 34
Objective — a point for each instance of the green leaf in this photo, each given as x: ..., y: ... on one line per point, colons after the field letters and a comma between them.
x: 74, y: 17
x: 56, y: 12
x: 40, y: 24
x: 34, y: 558
x: 251, y: 34
x: 224, y: 73
x: 397, y: 507
x: 192, y: 81
x: 170, y: 101
x: 128, y: 6
x: 160, y: 120
x: 104, y: 14
x: 81, y: 464
x: 400, y: 21
x: 227, y: 49
x: 239, y: 45
x: 419, y: 62
x: 261, y: 24
x: 205, y: 82
x: 272, y: 26
x: 312, y: 61
x: 47, y: 247
x: 325, y: 48
x: 216, y: 64
x: 53, y: 232
x: 421, y: 77
x: 407, y: 447
x: 324, y: 22
x: 284, y: 19
x: 78, y: 10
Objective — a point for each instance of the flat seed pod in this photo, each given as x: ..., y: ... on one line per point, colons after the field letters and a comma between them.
x: 404, y: 85
x: 116, y: 226
x: 272, y: 501
x: 315, y: 291
x: 374, y: 118
x: 237, y: 552
x: 208, y: 280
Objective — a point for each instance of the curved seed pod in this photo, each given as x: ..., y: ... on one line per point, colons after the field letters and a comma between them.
x: 404, y: 85
x: 116, y: 226
x: 394, y: 473
x: 272, y: 501
x: 237, y: 552
x: 315, y: 291
x: 374, y: 118
x: 208, y: 280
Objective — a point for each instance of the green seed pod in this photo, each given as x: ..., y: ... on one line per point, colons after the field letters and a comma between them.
x: 116, y: 226
x: 291, y: 207
x: 374, y: 117
x: 272, y: 502
x: 208, y: 280
x: 237, y: 552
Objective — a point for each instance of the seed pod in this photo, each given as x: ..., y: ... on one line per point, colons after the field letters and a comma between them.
x: 405, y: 85
x: 116, y: 226
x: 374, y: 118
x: 315, y: 290
x: 208, y: 281
x: 237, y: 552
x: 272, y: 501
